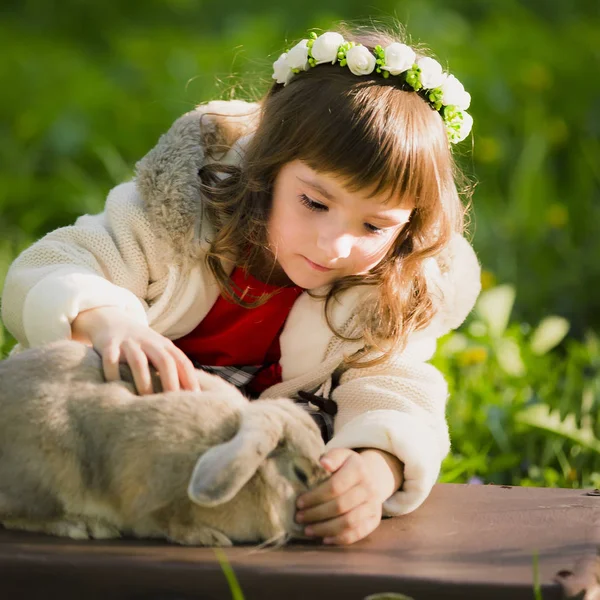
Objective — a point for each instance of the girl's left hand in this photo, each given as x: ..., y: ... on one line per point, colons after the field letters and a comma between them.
x: 347, y: 507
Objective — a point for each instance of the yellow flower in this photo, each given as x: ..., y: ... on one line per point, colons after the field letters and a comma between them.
x: 472, y: 356
x: 488, y: 280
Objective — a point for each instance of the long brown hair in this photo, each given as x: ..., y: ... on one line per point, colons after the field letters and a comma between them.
x: 377, y: 136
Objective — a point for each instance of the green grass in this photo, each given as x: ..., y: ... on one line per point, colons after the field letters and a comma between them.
x: 523, y: 407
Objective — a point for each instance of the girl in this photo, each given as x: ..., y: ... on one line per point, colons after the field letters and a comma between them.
x: 308, y: 246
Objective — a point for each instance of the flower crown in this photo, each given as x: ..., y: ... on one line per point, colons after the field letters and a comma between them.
x: 442, y: 91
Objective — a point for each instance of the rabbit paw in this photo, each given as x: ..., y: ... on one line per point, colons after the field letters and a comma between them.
x: 76, y: 530
x: 102, y: 531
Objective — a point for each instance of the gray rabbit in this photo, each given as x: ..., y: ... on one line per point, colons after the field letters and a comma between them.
x: 80, y: 457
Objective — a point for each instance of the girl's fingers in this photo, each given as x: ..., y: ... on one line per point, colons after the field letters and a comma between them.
x: 334, y: 508
x: 345, y: 478
x: 186, y: 370
x: 138, y: 362
x: 333, y: 459
x: 110, y: 362
x: 166, y: 367
x: 350, y: 526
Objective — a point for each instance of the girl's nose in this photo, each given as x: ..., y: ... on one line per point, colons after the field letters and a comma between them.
x: 335, y: 245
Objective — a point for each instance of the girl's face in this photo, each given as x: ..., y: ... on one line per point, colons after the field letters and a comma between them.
x: 320, y: 231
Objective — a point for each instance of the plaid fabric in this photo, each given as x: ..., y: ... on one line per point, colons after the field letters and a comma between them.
x: 320, y: 409
x: 238, y: 376
x: 323, y: 420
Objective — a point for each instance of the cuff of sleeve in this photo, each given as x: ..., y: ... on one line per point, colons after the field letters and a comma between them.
x: 53, y: 303
x: 407, y: 438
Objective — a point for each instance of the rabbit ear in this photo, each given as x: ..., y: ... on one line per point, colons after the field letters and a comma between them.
x: 223, y: 470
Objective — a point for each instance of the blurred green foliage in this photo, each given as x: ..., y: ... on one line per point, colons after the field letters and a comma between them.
x: 87, y: 88
x: 524, y: 402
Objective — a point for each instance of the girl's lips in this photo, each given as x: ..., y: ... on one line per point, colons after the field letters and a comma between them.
x: 316, y: 266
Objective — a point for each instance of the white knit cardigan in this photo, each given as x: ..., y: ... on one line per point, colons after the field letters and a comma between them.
x: 145, y: 251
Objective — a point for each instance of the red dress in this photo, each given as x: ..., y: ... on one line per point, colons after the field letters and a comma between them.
x: 233, y: 336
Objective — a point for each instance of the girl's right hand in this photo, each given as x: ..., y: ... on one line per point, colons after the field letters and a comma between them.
x: 117, y: 338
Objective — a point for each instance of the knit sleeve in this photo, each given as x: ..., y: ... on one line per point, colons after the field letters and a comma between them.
x: 101, y: 260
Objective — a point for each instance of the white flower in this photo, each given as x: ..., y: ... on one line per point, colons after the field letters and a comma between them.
x: 398, y: 58
x: 297, y: 57
x: 325, y: 47
x: 281, y: 70
x: 465, y: 127
x: 360, y: 60
x: 453, y: 93
x: 431, y: 73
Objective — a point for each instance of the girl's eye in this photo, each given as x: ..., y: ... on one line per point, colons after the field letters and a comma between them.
x: 373, y: 229
x: 318, y: 207
x: 311, y: 204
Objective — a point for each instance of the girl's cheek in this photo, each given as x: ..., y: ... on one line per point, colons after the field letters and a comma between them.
x: 308, y: 219
x: 371, y: 254
x: 374, y: 247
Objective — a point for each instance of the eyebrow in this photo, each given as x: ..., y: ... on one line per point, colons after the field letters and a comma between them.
x: 317, y: 186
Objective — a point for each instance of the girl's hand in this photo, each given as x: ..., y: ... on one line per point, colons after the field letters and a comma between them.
x: 347, y: 507
x: 117, y: 338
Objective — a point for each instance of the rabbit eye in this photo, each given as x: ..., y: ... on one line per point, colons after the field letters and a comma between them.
x: 301, y: 475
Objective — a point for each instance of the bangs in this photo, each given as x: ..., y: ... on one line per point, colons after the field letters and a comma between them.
x: 373, y: 135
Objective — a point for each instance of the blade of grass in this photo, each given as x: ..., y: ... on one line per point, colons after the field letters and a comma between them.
x: 234, y: 586
x: 537, y: 590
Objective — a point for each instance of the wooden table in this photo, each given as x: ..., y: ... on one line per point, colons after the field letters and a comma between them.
x: 466, y: 541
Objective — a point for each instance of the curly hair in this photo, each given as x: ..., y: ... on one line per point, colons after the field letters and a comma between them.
x: 375, y: 135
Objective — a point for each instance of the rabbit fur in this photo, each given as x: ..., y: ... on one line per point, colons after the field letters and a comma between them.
x: 82, y: 457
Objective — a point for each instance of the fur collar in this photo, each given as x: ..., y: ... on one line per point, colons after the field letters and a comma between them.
x: 167, y: 177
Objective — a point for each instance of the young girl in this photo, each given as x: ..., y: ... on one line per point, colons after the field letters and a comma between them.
x: 308, y: 243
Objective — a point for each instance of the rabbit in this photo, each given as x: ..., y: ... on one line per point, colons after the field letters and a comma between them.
x: 85, y: 458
